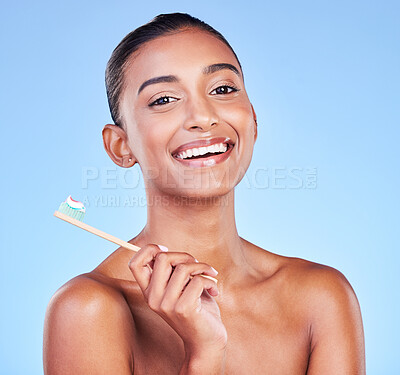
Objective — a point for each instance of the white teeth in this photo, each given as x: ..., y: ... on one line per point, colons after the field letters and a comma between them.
x: 220, y: 147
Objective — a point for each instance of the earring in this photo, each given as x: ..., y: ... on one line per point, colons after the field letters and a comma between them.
x: 130, y: 159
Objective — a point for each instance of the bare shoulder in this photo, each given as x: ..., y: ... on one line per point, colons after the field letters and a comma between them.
x: 300, y: 276
x: 322, y: 286
x: 88, y: 328
x: 87, y: 295
x: 326, y: 301
x: 314, y: 289
x: 315, y: 277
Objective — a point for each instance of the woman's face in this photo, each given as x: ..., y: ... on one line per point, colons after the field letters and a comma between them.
x: 184, y: 92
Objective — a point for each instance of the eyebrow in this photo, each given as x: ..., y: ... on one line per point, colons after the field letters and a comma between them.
x: 153, y: 81
x: 221, y: 66
x: 170, y: 78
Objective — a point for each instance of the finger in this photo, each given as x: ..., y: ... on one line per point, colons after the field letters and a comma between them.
x: 209, y: 273
x: 139, y: 264
x: 182, y: 274
x: 210, y: 278
x: 190, y: 298
x: 164, y: 265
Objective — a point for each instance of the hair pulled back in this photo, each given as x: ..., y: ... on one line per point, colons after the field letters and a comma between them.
x: 159, y: 26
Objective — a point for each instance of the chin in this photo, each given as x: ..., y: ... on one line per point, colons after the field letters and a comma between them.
x: 205, y: 193
x: 198, y: 191
x: 198, y: 184
x: 205, y: 186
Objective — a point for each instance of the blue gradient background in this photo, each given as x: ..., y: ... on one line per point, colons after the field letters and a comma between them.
x: 324, y: 79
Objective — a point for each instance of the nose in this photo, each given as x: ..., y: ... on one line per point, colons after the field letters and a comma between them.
x: 201, y: 115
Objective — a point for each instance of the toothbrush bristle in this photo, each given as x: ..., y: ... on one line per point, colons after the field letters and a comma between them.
x: 72, y: 208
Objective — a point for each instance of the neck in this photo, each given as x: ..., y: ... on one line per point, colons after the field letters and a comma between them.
x: 204, y: 228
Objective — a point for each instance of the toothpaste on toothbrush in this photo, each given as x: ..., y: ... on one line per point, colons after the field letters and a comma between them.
x: 73, y: 208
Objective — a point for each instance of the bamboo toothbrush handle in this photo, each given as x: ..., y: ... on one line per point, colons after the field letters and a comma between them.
x: 96, y: 231
x: 105, y: 235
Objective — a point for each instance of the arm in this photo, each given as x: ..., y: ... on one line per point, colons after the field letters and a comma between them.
x: 337, y: 337
x: 173, y: 288
x: 87, y: 331
x: 209, y: 362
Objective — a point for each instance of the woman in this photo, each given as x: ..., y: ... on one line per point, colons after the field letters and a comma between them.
x: 177, y: 97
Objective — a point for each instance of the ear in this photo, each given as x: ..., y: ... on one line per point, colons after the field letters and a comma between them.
x: 255, y: 123
x: 116, y: 145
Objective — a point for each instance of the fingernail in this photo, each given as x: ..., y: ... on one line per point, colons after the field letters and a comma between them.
x: 163, y: 248
x: 216, y: 272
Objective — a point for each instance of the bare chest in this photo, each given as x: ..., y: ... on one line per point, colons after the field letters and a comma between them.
x: 272, y: 341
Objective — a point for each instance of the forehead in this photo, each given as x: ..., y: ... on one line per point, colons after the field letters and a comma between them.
x: 183, y: 52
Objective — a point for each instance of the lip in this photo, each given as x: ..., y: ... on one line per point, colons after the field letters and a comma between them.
x: 208, y: 161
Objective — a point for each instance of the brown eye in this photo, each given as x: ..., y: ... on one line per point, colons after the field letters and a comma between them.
x: 223, y: 90
x: 163, y: 100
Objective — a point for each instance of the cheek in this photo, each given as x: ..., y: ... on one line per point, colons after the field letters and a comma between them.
x: 148, y: 133
x: 240, y: 118
x: 160, y: 130
x: 151, y: 139
x: 242, y: 121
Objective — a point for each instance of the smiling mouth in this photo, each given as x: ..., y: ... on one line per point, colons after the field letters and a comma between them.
x: 204, y: 152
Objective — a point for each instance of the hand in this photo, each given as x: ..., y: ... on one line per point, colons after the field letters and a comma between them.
x: 173, y: 288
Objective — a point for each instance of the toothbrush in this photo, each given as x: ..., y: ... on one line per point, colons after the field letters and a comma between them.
x: 72, y: 211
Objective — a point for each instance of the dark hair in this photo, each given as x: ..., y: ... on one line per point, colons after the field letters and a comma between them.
x: 159, y: 26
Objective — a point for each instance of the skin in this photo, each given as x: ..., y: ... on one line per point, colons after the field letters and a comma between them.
x: 151, y: 312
